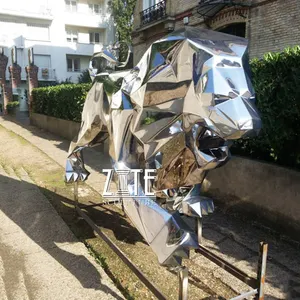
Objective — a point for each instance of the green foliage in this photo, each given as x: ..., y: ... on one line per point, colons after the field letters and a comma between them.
x: 12, y: 106
x: 66, y: 81
x: 276, y: 80
x: 110, y: 86
x: 148, y: 120
x: 54, y: 83
x: 122, y: 12
x: 84, y: 77
x: 47, y: 83
x: 62, y: 101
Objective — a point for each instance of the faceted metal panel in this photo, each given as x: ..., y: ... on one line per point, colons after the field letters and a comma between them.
x: 177, y: 112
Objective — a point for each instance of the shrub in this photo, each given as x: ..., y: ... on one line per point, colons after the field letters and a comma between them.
x: 62, y: 101
x: 84, y: 77
x: 276, y: 80
x: 11, y: 106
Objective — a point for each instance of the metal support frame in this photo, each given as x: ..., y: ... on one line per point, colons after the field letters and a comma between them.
x: 198, y: 229
x: 76, y: 192
x: 257, y: 284
x: 261, y: 270
x: 158, y: 294
x: 183, y: 276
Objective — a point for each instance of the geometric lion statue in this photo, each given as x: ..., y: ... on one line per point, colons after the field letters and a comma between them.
x: 177, y: 112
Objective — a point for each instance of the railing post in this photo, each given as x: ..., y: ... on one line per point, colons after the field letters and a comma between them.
x: 76, y: 193
x: 261, y: 270
x: 183, y: 276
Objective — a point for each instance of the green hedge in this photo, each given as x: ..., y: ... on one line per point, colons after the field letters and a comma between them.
x: 276, y: 80
x: 62, y: 101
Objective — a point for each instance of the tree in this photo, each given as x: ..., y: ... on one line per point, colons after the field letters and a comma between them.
x: 122, y: 12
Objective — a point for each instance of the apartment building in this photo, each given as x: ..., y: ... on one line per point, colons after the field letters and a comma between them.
x: 64, y: 34
x: 270, y: 25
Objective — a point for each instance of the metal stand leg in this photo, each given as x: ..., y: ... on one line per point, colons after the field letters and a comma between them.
x: 261, y: 272
x: 76, y: 193
x: 198, y: 229
x: 183, y: 276
x: 122, y: 205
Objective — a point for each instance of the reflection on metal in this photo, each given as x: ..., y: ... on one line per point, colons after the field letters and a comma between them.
x: 209, y: 8
x: 107, y: 61
x: 154, y: 13
x: 177, y: 112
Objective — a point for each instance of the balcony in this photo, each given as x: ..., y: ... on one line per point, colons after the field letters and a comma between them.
x: 154, y: 13
x: 24, y: 9
x: 83, y: 48
x: 86, y: 20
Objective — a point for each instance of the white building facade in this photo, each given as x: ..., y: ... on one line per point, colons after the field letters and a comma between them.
x: 64, y: 34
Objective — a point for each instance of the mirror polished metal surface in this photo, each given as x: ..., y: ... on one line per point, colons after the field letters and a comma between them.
x: 177, y: 112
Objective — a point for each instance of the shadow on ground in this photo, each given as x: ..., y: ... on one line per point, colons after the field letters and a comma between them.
x: 44, y: 232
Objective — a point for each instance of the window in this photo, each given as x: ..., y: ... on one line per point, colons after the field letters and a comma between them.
x: 73, y: 64
x: 149, y: 3
x: 95, y: 9
x: 95, y: 38
x: 71, y: 5
x: 238, y: 29
x: 42, y: 61
x: 38, y: 32
x: 72, y: 36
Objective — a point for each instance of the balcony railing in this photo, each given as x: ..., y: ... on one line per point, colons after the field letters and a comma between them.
x: 154, y: 13
x: 46, y: 74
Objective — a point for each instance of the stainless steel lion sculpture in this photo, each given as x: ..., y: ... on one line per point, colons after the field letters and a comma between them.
x: 176, y: 112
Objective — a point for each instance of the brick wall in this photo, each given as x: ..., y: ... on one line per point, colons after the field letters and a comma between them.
x: 271, y: 25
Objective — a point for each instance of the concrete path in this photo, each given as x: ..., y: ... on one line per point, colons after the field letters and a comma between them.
x: 57, y: 148
x: 236, y: 241
x: 40, y: 258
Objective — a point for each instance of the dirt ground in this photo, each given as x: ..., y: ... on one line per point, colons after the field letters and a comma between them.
x: 235, y: 239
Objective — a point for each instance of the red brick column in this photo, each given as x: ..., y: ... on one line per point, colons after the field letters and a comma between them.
x: 8, y: 96
x: 32, y: 75
x: 15, y: 75
x: 3, y: 65
x: 7, y: 93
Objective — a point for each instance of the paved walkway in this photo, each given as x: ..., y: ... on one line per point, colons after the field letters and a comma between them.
x: 234, y: 240
x: 57, y: 148
x: 40, y: 258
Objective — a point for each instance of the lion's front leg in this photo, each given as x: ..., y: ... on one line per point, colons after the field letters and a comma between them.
x: 189, y: 202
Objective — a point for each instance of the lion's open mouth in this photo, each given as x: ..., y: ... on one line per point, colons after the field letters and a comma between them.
x: 213, y: 145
